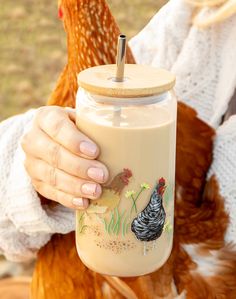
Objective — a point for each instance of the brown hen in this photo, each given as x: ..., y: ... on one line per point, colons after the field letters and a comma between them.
x: 91, y: 40
x: 200, y: 219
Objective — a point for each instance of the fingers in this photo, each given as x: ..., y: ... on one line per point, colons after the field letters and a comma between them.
x: 58, y: 124
x: 57, y: 156
x: 57, y: 179
x: 61, y: 197
x: 61, y: 161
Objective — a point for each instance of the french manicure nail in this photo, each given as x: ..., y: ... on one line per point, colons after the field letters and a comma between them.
x: 88, y: 148
x: 89, y: 189
x: 96, y: 174
x: 78, y: 202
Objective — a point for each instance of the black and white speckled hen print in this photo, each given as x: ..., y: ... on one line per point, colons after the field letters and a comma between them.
x: 149, y: 223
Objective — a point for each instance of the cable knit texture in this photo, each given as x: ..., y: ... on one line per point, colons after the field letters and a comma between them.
x: 224, y: 167
x: 24, y: 225
x: 204, y: 62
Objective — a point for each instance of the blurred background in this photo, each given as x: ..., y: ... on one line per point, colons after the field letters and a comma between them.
x: 33, y: 47
x: 33, y: 53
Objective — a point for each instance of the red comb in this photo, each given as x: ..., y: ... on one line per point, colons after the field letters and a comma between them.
x: 60, y: 13
x: 127, y: 172
x: 162, y: 181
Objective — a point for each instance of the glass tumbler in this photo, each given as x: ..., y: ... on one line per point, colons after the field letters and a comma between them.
x: 128, y: 231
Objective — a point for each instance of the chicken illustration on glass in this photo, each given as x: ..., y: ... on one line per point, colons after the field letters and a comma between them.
x: 111, y: 193
x: 149, y: 224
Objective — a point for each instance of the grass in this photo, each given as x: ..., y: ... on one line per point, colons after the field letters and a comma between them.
x: 33, y: 48
x: 116, y: 223
x: 81, y: 225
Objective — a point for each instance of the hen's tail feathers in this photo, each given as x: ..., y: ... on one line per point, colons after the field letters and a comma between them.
x: 203, y: 223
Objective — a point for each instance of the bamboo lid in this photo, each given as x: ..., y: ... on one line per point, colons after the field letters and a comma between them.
x: 139, y: 81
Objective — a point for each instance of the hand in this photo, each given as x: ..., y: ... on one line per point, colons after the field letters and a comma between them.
x: 61, y: 161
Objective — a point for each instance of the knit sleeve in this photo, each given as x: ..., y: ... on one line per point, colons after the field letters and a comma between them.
x: 224, y: 167
x: 25, y: 226
x: 161, y: 41
x: 206, y: 69
x: 203, y: 60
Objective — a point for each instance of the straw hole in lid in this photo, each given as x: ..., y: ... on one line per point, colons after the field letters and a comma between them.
x: 114, y: 79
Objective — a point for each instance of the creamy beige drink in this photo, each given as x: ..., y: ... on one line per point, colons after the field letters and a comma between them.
x: 128, y: 231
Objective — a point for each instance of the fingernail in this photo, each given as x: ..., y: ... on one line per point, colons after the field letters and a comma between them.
x: 78, y: 202
x: 89, y: 189
x: 88, y: 148
x: 96, y: 174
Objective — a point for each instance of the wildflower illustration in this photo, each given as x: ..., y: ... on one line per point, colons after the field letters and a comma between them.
x: 135, y: 196
x: 167, y: 227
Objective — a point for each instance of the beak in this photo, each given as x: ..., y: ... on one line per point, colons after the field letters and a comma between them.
x: 59, y: 3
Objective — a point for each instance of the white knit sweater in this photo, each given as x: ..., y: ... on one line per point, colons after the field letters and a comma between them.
x: 204, y: 62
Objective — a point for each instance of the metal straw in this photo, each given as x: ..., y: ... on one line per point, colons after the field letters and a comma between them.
x: 120, y: 68
x: 120, y: 60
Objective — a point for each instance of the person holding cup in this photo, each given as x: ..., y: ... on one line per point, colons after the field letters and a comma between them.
x: 63, y: 154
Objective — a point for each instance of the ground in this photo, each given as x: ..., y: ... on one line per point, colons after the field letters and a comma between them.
x: 33, y: 49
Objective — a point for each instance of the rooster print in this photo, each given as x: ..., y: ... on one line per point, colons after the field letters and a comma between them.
x: 111, y: 194
x: 149, y: 224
